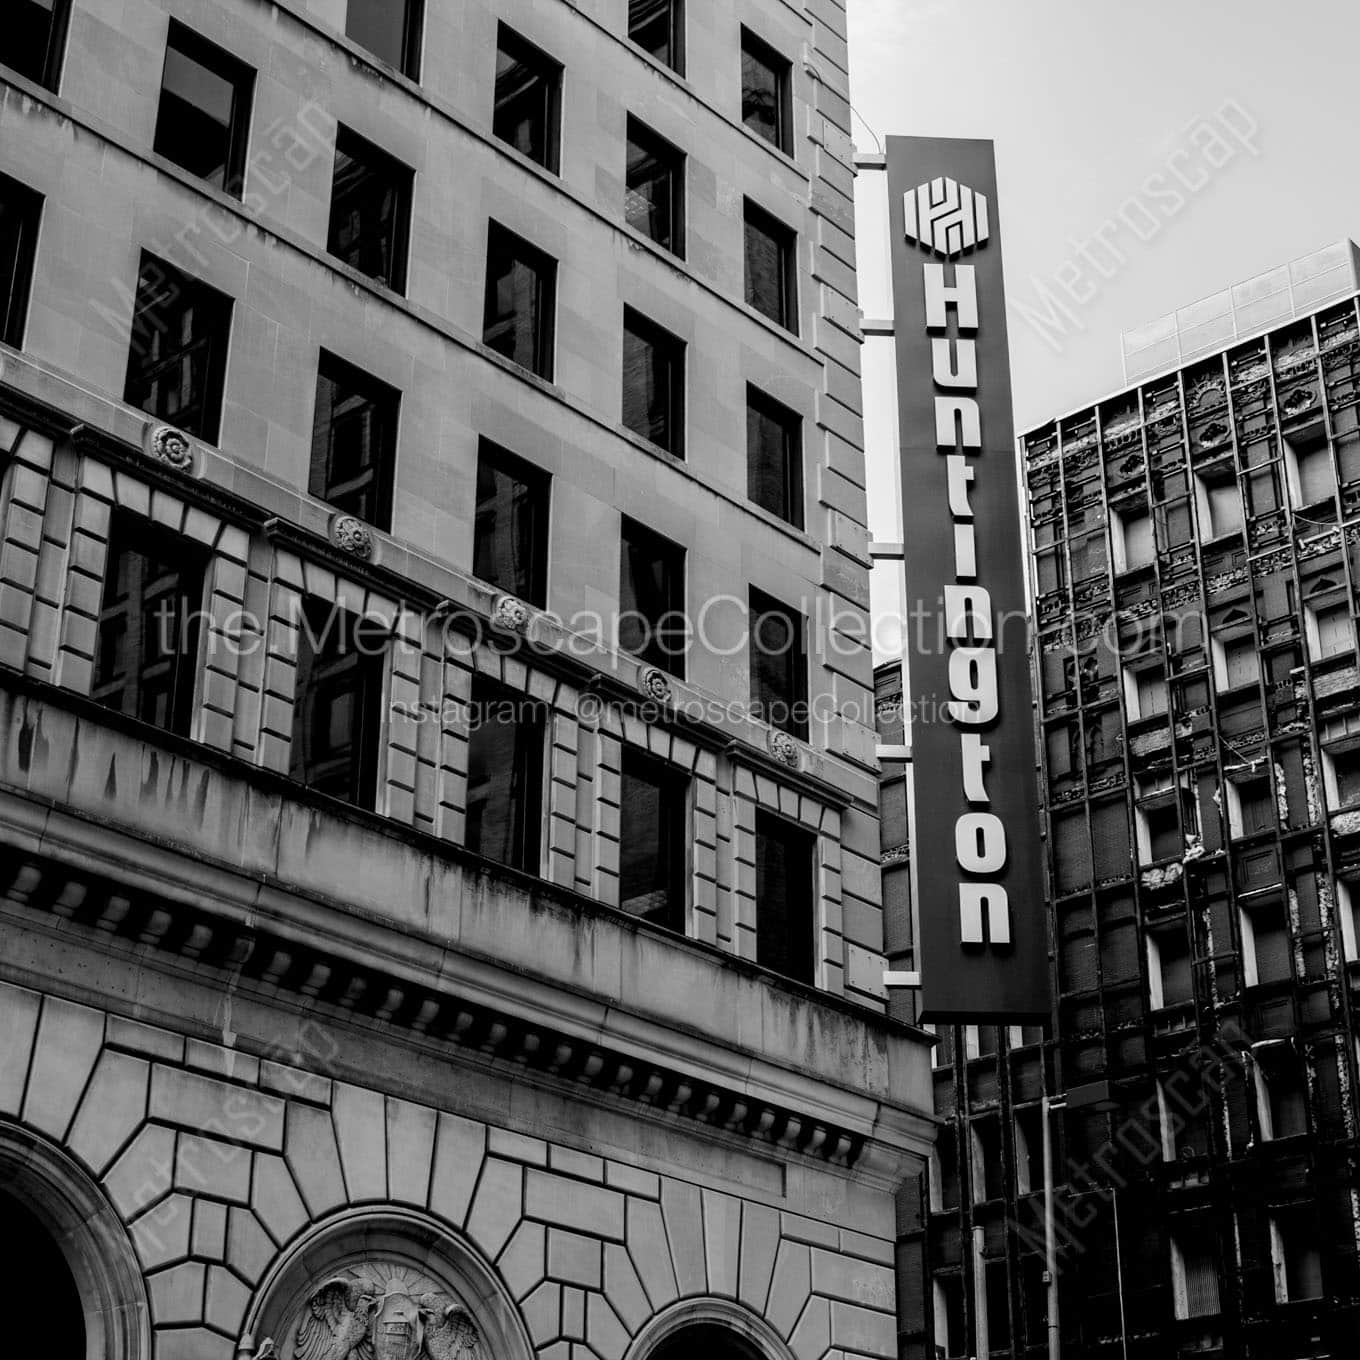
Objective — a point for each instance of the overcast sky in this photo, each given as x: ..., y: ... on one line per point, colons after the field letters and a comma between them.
x: 1093, y: 107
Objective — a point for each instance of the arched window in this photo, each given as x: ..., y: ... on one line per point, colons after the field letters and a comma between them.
x: 34, y: 1269
x: 706, y: 1341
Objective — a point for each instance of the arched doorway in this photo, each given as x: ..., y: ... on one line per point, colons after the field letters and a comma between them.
x: 46, y: 1316
x: 74, y: 1289
x: 707, y: 1329
x: 705, y: 1341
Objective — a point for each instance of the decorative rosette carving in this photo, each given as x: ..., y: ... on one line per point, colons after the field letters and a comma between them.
x: 172, y: 447
x: 352, y: 536
x: 510, y: 614
x: 783, y: 748
x: 656, y: 685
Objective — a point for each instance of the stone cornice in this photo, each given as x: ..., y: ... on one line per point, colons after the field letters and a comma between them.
x: 497, y: 966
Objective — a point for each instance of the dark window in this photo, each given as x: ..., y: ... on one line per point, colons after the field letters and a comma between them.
x: 336, y: 706
x: 390, y: 29
x: 505, y: 775
x: 528, y: 91
x: 652, y: 598
x: 204, y: 115
x: 652, y: 840
x: 778, y: 665
x: 998, y: 1305
x: 520, y: 289
x: 785, y: 915
x: 370, y: 210
x: 146, y: 653
x: 770, y: 268
x: 510, y: 535
x: 774, y: 457
x: 657, y: 26
x: 178, y: 356
x: 656, y: 188
x: 20, y: 212
x: 1346, y: 765
x: 35, y: 32
x: 951, y: 1330
x: 653, y: 383
x: 354, y: 441
x: 765, y: 103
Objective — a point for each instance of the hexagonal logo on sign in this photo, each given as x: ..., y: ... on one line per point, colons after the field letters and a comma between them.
x: 946, y: 216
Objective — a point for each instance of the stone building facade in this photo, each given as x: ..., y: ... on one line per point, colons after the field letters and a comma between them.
x: 329, y: 1030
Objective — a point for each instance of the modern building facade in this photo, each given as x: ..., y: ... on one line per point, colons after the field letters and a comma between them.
x: 1194, y: 572
x: 414, y: 943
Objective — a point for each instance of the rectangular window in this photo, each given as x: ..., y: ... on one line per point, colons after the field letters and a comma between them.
x: 653, y: 383
x: 354, y: 441
x: 34, y: 38
x: 652, y: 840
x: 655, y: 188
x: 505, y: 775
x: 778, y: 652
x: 204, y: 117
x: 510, y: 534
x: 1170, y: 978
x: 652, y: 598
x: 998, y: 1305
x: 370, y: 223
x: 20, y: 214
x: 528, y: 99
x: 770, y: 286
x: 1133, y: 542
x: 988, y: 1164
x: 1194, y: 1272
x: 337, y: 705
x: 765, y: 84
x: 774, y: 457
x: 785, y: 913
x: 521, y: 285
x: 951, y: 1328
x: 1282, y: 1106
x: 1266, y: 949
x: 146, y: 651
x: 1145, y: 692
x: 1330, y: 631
x: 1236, y: 662
x: 1029, y: 1149
x: 1295, y: 1257
x: 1341, y: 775
x: 177, y: 359
x: 1251, y: 805
x: 390, y: 29
x: 657, y: 26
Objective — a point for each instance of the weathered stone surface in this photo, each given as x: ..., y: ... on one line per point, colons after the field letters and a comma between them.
x: 112, y: 1108
x: 67, y: 1044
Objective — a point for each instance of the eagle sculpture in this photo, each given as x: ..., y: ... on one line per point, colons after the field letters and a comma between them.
x: 337, y: 1323
x: 450, y: 1333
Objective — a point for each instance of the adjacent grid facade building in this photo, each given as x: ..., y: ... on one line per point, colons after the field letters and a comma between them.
x: 384, y: 934
x: 1195, y: 555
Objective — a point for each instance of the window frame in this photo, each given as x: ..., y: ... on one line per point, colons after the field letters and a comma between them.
x: 761, y: 704
x: 675, y: 15
x: 54, y: 58
x: 754, y: 47
x: 524, y: 253
x: 347, y: 143
x: 642, y: 328
x: 520, y: 49
x: 220, y: 307
x: 412, y: 39
x: 530, y: 762
x: 785, y: 240
x: 16, y: 297
x: 332, y: 368
x: 240, y: 75
x: 368, y: 671
x: 790, y: 423
x: 190, y: 559
x: 674, y: 558
x: 539, y: 486
x: 674, y: 786
x: 673, y: 160
x: 767, y: 956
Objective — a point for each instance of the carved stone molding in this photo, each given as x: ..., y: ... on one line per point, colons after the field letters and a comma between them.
x: 381, y: 1309
x: 509, y: 614
x: 171, y: 447
x: 783, y: 748
x: 352, y: 536
x: 656, y: 685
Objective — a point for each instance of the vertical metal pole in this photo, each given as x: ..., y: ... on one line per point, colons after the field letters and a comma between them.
x: 981, y: 1322
x: 1050, y: 1241
x: 1119, y: 1276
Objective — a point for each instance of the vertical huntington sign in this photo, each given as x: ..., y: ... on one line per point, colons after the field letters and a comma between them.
x: 975, y: 841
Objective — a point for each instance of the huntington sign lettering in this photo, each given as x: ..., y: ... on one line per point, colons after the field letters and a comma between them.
x: 976, y: 851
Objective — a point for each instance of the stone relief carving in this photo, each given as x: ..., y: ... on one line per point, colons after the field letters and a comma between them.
x: 172, y: 447
x: 352, y: 535
x: 376, y: 1311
